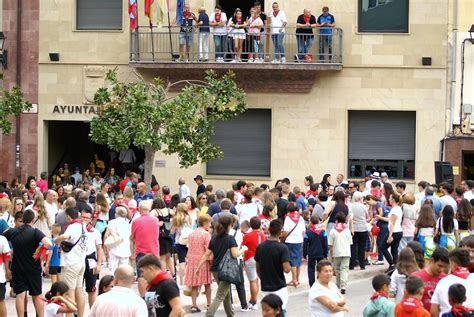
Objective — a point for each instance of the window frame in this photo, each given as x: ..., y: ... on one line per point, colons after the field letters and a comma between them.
x: 375, y: 32
x: 111, y: 30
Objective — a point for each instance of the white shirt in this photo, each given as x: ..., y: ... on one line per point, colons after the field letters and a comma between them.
x: 397, y: 211
x: 469, y: 195
x: 440, y: 295
x: 315, y: 307
x: 4, y: 249
x: 52, y: 310
x: 276, y: 23
x: 219, y: 30
x: 246, y: 211
x: 52, y: 210
x: 341, y: 242
x: 78, y: 252
x: 439, y: 224
x: 184, y: 191
x: 94, y: 238
x: 297, y: 235
x: 448, y: 200
x: 124, y: 229
x: 397, y: 285
x: 119, y: 302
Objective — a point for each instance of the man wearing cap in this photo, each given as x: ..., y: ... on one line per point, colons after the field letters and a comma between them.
x: 384, y: 178
x: 374, y: 176
x: 201, y: 187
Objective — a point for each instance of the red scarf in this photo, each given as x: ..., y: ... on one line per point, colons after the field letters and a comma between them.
x: 3, y: 195
x: 316, y: 229
x: 294, y: 216
x: 310, y: 193
x: 409, y: 304
x: 378, y: 294
x: 340, y: 227
x: 49, y: 301
x: 89, y: 227
x: 218, y: 17
x: 275, y: 13
x: 306, y: 18
x: 161, y: 276
x: 461, y: 272
x: 458, y: 311
x: 186, y: 15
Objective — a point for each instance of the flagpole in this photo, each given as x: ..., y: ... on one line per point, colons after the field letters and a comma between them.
x: 169, y: 31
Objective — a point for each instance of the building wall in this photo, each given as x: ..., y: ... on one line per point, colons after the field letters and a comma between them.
x: 309, y: 130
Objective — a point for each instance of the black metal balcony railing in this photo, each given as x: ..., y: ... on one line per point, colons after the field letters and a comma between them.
x: 172, y: 45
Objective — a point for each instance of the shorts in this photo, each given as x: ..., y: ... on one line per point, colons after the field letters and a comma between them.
x: 295, y: 250
x: 73, y: 275
x: 27, y: 281
x: 251, y: 269
x: 186, y: 38
x: 182, y: 252
x: 91, y: 279
x: 239, y: 36
x: 53, y: 270
x: 3, y: 291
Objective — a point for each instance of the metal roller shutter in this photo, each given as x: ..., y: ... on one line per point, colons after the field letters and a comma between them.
x: 246, y: 143
x: 99, y: 14
x: 382, y: 135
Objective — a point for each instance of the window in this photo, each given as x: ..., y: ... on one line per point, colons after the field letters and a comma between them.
x: 382, y: 141
x: 246, y: 143
x: 383, y: 16
x: 99, y: 14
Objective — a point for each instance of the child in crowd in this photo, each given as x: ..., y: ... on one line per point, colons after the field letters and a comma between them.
x: 457, y: 296
x: 379, y: 305
x: 57, y: 304
x: 4, y: 272
x: 406, y: 265
x: 52, y: 263
x: 317, y: 246
x: 340, y: 240
x: 411, y: 305
x: 306, y: 218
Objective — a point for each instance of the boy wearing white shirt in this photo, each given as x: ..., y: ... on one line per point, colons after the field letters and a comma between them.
x: 278, y: 22
x: 340, y: 241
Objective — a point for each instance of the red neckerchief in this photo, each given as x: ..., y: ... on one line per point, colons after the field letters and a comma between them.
x: 306, y: 18
x: 378, y: 294
x: 459, y: 310
x: 161, y: 276
x: 294, y: 216
x: 49, y: 301
x: 409, y: 304
x: 275, y: 13
x: 31, y: 190
x: 461, y: 272
x: 186, y: 15
x: 3, y: 195
x: 77, y: 220
x: 167, y: 198
x: 90, y: 228
x: 340, y: 227
x: 316, y: 229
x: 310, y: 193
x: 218, y: 17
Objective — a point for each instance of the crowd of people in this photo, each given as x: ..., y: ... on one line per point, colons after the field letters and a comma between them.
x: 230, y: 33
x: 174, y: 242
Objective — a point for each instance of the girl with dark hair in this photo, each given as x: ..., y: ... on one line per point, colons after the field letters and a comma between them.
x: 387, y: 191
x: 272, y: 306
x: 106, y: 284
x: 326, y: 182
x: 425, y: 230
x: 220, y: 243
x: 57, y: 304
x: 308, y: 180
x: 415, y: 246
x: 449, y: 228
x: 406, y: 265
x: 192, y: 209
x: 238, y: 24
x: 338, y: 204
x: 395, y: 232
x: 465, y: 218
x: 164, y: 215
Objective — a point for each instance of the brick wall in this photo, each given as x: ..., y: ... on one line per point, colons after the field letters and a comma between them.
x: 29, y: 85
x: 454, y: 153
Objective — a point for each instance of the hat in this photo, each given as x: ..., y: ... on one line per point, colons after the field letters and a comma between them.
x: 384, y: 174
x: 375, y: 175
x: 198, y: 177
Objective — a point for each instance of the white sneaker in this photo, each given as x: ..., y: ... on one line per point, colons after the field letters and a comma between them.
x: 275, y: 61
x: 253, y: 307
x: 260, y: 60
x: 233, y: 61
x: 245, y: 309
x: 283, y: 60
x: 250, y: 61
x: 378, y: 263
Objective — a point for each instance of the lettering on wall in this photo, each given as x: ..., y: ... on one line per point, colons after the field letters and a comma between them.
x: 74, y: 109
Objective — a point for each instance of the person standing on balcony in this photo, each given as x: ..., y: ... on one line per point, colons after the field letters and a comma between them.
x: 186, y: 33
x: 218, y: 20
x: 255, y: 24
x: 278, y: 23
x: 238, y: 26
x: 326, y: 22
x: 204, y: 31
x: 304, y: 34
x: 258, y: 9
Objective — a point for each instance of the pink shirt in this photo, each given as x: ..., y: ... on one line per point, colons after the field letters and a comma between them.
x: 42, y: 184
x: 145, y: 233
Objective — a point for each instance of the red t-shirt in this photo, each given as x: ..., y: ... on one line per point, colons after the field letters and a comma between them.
x: 251, y: 240
x: 145, y: 231
x: 123, y: 183
x: 430, y: 283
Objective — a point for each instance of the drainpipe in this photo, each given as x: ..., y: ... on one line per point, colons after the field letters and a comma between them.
x: 18, y: 82
x: 453, y: 67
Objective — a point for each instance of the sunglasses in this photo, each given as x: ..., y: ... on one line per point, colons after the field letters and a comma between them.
x: 203, y: 198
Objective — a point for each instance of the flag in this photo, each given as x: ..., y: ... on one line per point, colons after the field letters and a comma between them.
x: 160, y: 14
x: 179, y: 12
x: 132, y: 13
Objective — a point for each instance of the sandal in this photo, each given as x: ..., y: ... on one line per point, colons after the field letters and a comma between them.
x: 195, y: 309
x: 297, y: 284
x: 292, y: 283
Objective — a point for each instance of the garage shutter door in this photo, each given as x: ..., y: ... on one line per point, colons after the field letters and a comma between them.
x: 99, y: 14
x: 382, y: 135
x: 246, y: 143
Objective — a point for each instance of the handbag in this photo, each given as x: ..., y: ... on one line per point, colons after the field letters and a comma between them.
x: 229, y: 269
x: 285, y: 234
x: 437, y: 237
x: 113, y: 240
x: 67, y: 246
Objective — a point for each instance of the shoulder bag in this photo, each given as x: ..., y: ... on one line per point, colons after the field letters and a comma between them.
x: 67, y: 246
x: 285, y: 234
x: 229, y: 269
x: 113, y: 239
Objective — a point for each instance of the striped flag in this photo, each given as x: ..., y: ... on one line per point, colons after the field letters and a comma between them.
x: 163, y: 6
x: 152, y: 11
x: 179, y: 12
x: 132, y: 14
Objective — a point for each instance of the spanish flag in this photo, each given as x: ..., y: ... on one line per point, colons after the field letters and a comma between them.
x: 152, y: 11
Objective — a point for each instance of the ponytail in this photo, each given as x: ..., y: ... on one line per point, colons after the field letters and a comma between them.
x: 223, y: 224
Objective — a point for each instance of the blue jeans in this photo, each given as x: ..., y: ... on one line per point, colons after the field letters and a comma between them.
x: 219, y: 43
x: 325, y: 39
x: 277, y: 40
x: 304, y: 45
x: 383, y: 235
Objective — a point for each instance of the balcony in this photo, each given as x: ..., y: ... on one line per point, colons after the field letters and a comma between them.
x: 155, y: 51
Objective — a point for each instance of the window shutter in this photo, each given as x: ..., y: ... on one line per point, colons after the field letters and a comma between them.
x: 99, y: 14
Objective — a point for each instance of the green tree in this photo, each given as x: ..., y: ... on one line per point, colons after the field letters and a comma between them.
x: 12, y: 103
x: 148, y: 116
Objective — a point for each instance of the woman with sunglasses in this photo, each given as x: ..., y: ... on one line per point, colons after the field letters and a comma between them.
x: 202, y: 204
x: 17, y: 205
